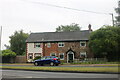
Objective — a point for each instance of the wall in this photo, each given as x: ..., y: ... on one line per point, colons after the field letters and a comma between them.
x: 74, y: 46
x: 32, y: 50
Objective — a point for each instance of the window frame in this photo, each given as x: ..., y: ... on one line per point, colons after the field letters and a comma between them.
x: 48, y: 45
x: 37, y: 45
x: 82, y: 42
x: 61, y: 44
x: 36, y: 54
x: 30, y: 55
x: 81, y: 53
x: 52, y: 53
x: 63, y: 56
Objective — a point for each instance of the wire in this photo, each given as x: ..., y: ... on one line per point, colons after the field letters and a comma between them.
x: 52, y: 5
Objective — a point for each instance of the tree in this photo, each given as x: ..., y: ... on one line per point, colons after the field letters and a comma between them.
x: 118, y: 12
x: 105, y: 42
x: 71, y: 27
x: 17, y: 42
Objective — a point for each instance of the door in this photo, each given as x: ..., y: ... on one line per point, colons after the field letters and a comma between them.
x: 70, y: 57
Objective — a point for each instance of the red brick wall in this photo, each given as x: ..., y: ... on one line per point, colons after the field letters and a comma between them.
x: 74, y: 46
x: 52, y: 49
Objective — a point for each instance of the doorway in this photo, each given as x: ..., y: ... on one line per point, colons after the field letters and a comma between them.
x: 70, y: 57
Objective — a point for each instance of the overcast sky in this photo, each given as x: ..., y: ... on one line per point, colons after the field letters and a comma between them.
x: 43, y: 16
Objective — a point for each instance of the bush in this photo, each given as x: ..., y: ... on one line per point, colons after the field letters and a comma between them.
x: 8, y: 56
x: 37, y: 57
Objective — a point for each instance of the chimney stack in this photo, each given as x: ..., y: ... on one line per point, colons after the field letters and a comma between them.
x: 89, y: 27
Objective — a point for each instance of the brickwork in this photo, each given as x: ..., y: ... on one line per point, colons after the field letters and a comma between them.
x: 74, y: 46
x: 52, y: 49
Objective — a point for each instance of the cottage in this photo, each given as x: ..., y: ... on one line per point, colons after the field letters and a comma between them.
x: 68, y: 46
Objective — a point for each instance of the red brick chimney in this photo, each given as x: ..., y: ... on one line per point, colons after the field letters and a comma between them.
x: 89, y: 27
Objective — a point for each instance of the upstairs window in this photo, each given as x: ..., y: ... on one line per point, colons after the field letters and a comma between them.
x: 83, y: 43
x: 61, y: 44
x: 36, y: 45
x: 48, y: 45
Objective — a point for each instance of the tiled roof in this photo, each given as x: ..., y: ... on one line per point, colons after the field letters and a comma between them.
x: 59, y: 36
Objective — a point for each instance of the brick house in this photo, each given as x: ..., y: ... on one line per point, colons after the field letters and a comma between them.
x: 67, y: 46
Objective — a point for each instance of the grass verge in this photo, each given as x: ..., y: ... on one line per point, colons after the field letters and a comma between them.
x: 72, y: 69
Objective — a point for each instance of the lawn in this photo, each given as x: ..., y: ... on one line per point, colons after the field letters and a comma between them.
x: 73, y: 69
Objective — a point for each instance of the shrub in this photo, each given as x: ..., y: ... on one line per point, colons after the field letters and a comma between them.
x: 37, y: 57
x: 8, y: 55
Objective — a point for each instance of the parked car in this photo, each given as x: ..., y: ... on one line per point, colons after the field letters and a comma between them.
x: 51, y: 60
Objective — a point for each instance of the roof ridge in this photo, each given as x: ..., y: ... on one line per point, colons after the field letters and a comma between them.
x: 58, y: 32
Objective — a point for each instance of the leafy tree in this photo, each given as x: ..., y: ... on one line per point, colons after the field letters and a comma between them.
x: 71, y: 27
x: 118, y: 12
x: 17, y: 42
x: 105, y: 42
x: 7, y: 46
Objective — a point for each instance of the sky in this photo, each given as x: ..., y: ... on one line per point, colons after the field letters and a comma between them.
x: 47, y: 15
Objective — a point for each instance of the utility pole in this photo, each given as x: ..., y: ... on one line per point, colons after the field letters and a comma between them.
x: 0, y: 37
x: 112, y: 19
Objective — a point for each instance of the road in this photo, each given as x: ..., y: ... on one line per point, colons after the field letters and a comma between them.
x: 39, y: 74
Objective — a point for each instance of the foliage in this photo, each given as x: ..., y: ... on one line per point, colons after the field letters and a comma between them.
x: 105, y: 42
x: 118, y: 12
x: 8, y: 53
x: 7, y: 46
x: 71, y: 27
x: 17, y: 42
x: 37, y: 57
x: 8, y: 56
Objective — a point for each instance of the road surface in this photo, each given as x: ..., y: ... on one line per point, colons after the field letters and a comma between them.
x: 39, y: 74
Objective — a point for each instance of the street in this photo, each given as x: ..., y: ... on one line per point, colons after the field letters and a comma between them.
x: 39, y: 74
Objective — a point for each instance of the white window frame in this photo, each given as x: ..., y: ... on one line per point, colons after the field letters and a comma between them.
x: 52, y: 53
x: 48, y: 45
x: 36, y: 45
x: 82, y: 42
x: 37, y: 54
x: 30, y: 55
x: 63, y: 56
x: 84, y: 53
x: 61, y: 44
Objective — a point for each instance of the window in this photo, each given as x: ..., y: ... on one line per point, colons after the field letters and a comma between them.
x: 83, y: 54
x: 60, y: 44
x: 37, y: 54
x: 30, y: 55
x: 36, y: 45
x: 61, y: 56
x: 48, y: 45
x: 52, y: 54
x: 82, y: 43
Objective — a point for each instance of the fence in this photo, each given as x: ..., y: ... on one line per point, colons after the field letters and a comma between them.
x: 86, y: 60
x: 20, y: 59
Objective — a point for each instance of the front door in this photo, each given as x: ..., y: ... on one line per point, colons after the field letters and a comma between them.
x: 70, y: 57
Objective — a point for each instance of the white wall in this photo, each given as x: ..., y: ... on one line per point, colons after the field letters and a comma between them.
x: 31, y: 49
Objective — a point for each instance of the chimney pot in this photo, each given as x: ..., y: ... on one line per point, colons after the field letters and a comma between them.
x: 89, y: 27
